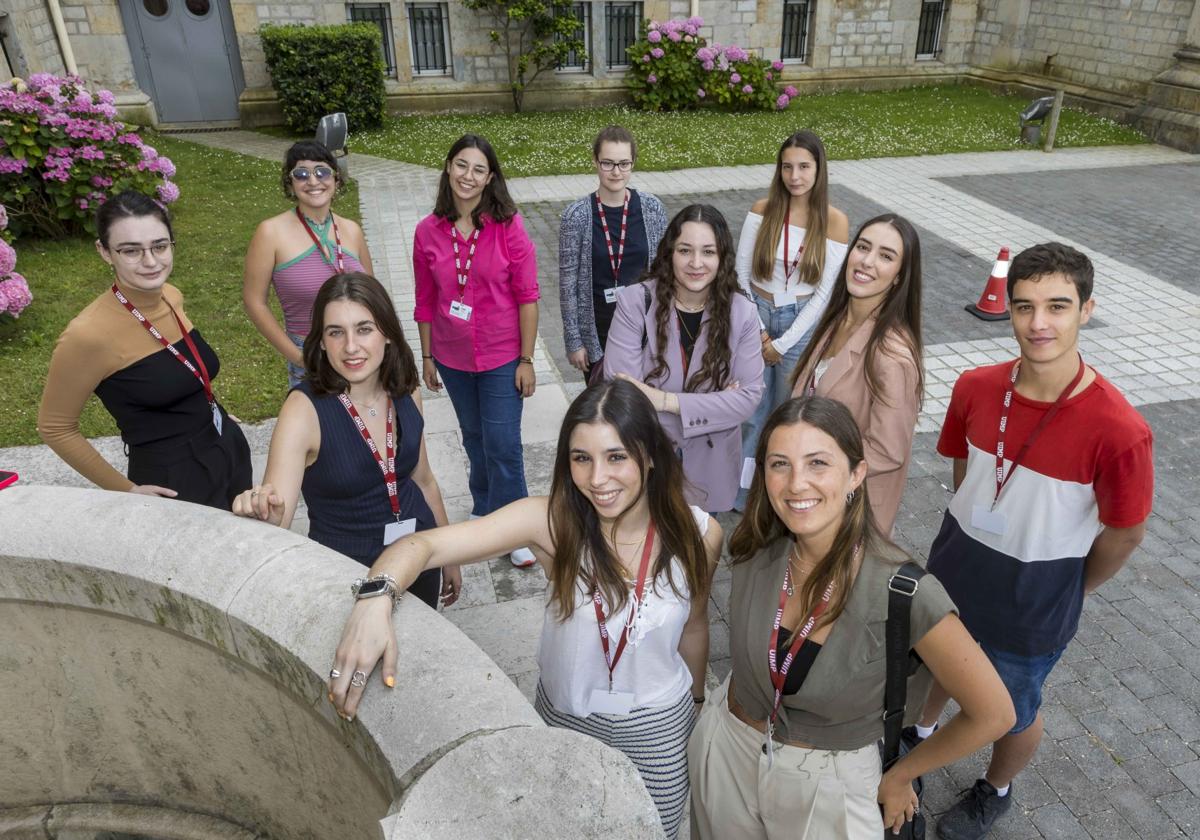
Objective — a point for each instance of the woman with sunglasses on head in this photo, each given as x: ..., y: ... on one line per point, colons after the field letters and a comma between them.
x: 866, y: 353
x: 354, y: 420
x: 134, y: 347
x: 605, y: 241
x: 689, y: 339
x: 475, y: 273
x: 787, y: 747
x: 624, y: 642
x: 792, y: 244
x: 299, y: 250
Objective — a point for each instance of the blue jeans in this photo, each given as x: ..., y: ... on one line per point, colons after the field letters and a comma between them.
x: 295, y: 372
x: 777, y: 378
x: 488, y: 407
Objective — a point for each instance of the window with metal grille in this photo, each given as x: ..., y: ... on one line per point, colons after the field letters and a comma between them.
x: 621, y: 22
x: 796, y: 17
x: 379, y: 14
x: 579, y: 62
x: 429, y: 36
x: 929, y: 29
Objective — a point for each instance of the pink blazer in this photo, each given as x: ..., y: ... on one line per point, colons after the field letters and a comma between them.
x: 708, y: 429
x: 887, y: 424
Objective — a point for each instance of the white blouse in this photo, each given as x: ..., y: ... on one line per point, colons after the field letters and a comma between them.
x: 572, y: 662
x: 835, y: 254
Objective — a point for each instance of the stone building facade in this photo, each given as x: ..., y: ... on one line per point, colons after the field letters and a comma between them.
x: 1132, y: 59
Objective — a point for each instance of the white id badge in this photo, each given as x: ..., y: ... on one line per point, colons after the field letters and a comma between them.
x: 610, y: 702
x: 460, y: 310
x: 747, y: 473
x: 986, y: 519
x: 395, y: 530
x: 610, y: 295
x: 217, y: 418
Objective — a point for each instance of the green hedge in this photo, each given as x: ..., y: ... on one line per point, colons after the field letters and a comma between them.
x: 318, y: 70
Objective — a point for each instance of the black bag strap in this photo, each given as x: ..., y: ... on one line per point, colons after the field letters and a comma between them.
x: 902, y: 587
x: 646, y: 299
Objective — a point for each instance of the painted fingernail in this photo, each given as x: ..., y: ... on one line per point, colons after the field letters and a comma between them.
x: 390, y: 682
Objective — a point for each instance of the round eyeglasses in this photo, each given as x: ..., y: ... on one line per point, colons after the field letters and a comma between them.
x: 303, y: 173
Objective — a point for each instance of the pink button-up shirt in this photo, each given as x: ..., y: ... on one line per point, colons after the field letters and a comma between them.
x: 503, y: 276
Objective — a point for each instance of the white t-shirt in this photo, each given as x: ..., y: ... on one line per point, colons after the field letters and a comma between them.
x: 835, y: 253
x: 572, y: 662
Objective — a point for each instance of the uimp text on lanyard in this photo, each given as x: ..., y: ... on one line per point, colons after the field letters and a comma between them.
x: 614, y: 261
x: 339, y: 261
x: 613, y: 702
x: 387, y: 465
x: 201, y: 374
x: 458, y: 308
x: 779, y: 672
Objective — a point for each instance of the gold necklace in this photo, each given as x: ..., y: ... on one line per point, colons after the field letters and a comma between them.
x: 791, y: 588
x: 691, y: 310
x: 683, y: 325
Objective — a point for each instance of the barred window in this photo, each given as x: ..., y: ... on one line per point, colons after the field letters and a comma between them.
x: 621, y: 23
x: 379, y: 14
x: 579, y: 61
x: 929, y: 28
x: 797, y: 15
x: 429, y: 36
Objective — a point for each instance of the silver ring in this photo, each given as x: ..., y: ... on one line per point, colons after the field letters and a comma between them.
x: 334, y: 673
x: 358, y: 678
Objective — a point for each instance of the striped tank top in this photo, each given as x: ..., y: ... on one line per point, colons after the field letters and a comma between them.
x: 298, y: 280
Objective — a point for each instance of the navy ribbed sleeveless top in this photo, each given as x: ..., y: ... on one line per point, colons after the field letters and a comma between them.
x: 348, y: 505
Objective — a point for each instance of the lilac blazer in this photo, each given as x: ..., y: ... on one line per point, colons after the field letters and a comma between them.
x: 707, y: 432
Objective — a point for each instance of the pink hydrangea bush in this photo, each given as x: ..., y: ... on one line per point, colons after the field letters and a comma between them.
x: 14, y: 291
x: 676, y: 68
x: 63, y: 152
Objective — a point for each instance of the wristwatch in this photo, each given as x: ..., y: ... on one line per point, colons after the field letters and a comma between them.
x: 373, y: 587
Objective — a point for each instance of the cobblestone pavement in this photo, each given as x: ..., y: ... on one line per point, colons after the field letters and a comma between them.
x: 1121, y: 756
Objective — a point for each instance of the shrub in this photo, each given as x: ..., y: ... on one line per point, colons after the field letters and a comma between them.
x: 63, y: 151
x: 319, y: 70
x: 672, y: 68
x: 14, y: 291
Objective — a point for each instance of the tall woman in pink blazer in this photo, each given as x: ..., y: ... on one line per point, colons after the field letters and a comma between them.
x: 866, y: 352
x: 689, y: 339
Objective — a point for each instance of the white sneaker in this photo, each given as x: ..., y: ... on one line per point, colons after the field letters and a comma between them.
x: 522, y: 558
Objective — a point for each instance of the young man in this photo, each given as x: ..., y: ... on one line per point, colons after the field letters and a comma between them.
x: 1053, y: 477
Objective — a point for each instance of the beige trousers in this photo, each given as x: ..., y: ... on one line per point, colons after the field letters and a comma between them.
x: 804, y: 795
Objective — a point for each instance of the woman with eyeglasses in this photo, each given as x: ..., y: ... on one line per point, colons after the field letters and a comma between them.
x: 298, y: 250
x: 605, y: 241
x: 134, y: 347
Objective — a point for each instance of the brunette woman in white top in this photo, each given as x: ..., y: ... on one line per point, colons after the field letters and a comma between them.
x: 791, y: 248
x: 620, y: 546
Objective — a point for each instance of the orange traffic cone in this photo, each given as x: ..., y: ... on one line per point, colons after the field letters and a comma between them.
x: 991, y: 305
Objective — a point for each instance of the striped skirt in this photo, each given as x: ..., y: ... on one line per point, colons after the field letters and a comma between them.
x: 655, y: 740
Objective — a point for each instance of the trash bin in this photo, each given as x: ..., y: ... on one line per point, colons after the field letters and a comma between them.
x: 1032, y: 118
x: 332, y: 132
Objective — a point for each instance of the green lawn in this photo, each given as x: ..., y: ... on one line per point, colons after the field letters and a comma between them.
x: 914, y: 121
x: 224, y: 196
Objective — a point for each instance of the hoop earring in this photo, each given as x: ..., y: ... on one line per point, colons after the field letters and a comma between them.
x: 850, y: 498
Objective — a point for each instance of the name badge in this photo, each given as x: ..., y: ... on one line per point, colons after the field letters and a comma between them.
x: 610, y: 295
x: 604, y: 702
x: 747, y: 473
x: 395, y: 530
x: 986, y: 519
x: 216, y: 418
x: 460, y: 310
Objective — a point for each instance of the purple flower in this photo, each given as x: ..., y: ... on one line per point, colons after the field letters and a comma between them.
x: 8, y: 258
x: 653, y: 36
x: 3, y: 217
x: 695, y: 22
x: 708, y: 65
x: 782, y: 101
x: 735, y: 77
x: 776, y: 65
x: 12, y: 166
x: 675, y: 36
x: 700, y: 94
x: 690, y: 29
x: 82, y: 203
x: 736, y: 54
x: 17, y: 294
x: 653, y: 25
x: 687, y: 39
x: 646, y: 58
x: 657, y: 52
x: 748, y: 89
x: 105, y: 97
x: 770, y: 75
x: 168, y: 192
x: 101, y: 181
x: 790, y: 91
x: 651, y: 79
x: 3, y: 301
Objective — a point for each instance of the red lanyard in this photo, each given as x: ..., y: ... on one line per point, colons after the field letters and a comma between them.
x: 337, y: 238
x: 1001, y: 477
x: 202, y: 373
x: 779, y: 674
x: 614, y: 261
x: 388, y: 465
x: 638, y: 595
x: 787, y: 225
x: 462, y: 273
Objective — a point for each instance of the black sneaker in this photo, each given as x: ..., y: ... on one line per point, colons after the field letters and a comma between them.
x: 975, y: 814
x: 909, y: 738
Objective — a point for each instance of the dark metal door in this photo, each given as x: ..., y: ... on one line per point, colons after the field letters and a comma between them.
x: 189, y: 57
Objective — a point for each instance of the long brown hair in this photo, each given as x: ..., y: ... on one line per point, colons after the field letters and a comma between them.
x: 581, y: 553
x: 714, y: 367
x: 812, y: 261
x: 495, y: 200
x: 760, y: 526
x: 899, y: 312
x: 397, y: 372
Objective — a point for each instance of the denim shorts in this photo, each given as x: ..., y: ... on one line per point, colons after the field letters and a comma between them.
x: 1023, y: 676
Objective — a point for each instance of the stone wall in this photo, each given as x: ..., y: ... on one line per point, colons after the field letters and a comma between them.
x: 162, y: 674
x: 32, y: 33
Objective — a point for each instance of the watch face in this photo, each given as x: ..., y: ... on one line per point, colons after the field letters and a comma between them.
x: 373, y: 587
